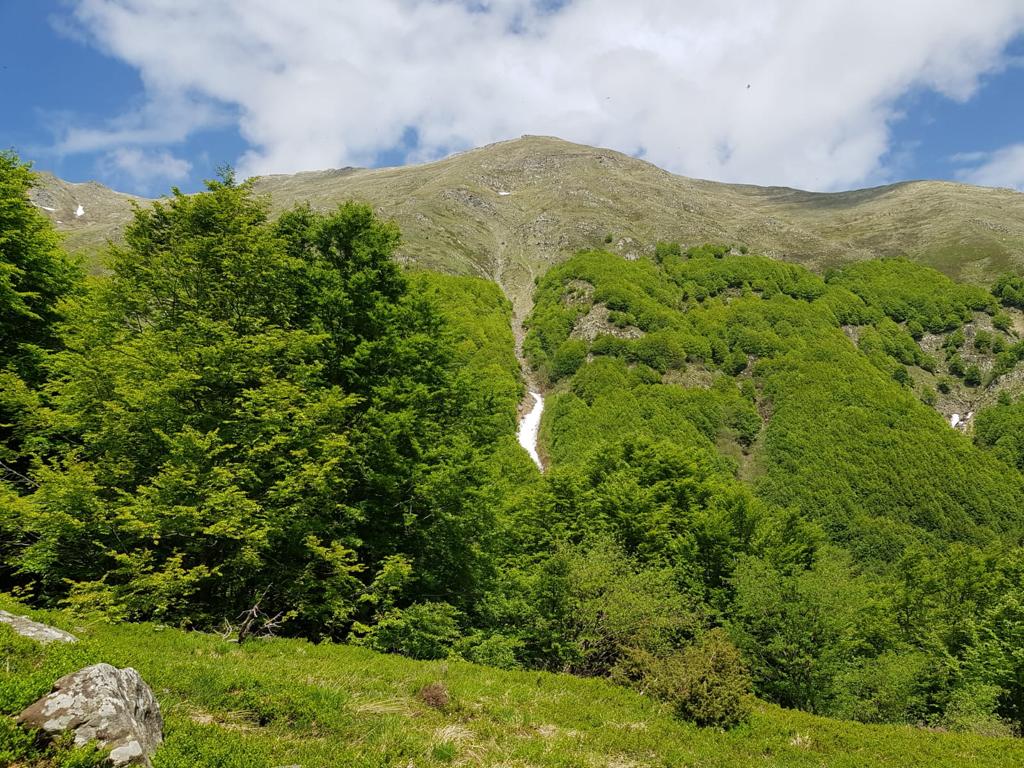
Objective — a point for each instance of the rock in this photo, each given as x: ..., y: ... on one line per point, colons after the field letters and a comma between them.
x: 41, y: 633
x: 101, y: 703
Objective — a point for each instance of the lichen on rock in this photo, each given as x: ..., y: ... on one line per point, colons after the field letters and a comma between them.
x: 112, y: 707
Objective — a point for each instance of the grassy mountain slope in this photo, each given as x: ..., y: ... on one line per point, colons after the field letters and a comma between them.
x: 508, y: 211
x: 102, y: 216
x: 289, y: 702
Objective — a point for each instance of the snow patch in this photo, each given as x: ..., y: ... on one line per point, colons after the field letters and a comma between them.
x: 530, y: 426
x: 47, y: 208
x: 503, y: 193
x: 954, y: 420
x: 79, y: 211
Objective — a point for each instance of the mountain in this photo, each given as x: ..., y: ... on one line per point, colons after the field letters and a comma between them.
x: 762, y: 483
x: 510, y: 210
x: 88, y: 214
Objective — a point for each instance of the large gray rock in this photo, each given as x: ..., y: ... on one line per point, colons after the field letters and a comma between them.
x: 42, y: 633
x: 101, y: 703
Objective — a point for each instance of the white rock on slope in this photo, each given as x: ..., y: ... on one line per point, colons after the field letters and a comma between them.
x: 113, y: 707
x: 41, y: 633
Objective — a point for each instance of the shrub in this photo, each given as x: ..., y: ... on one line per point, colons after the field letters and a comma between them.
x: 491, y: 649
x: 972, y: 708
x: 663, y: 249
x: 421, y: 631
x: 972, y: 376
x: 956, y: 366
x: 706, y: 683
x: 568, y: 358
x: 736, y: 363
x: 661, y: 351
x: 889, y: 688
x: 1002, y: 321
x: 606, y: 344
x: 1009, y: 289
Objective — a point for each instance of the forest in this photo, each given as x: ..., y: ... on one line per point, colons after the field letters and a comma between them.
x: 748, y: 489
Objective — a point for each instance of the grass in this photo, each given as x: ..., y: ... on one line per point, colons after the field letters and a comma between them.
x: 288, y: 702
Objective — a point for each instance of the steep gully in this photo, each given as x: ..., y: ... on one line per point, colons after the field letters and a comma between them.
x: 532, y: 407
x: 529, y: 414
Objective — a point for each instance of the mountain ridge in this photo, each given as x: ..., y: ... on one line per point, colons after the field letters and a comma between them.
x: 509, y: 210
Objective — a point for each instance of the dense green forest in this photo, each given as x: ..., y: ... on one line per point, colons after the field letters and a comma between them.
x: 747, y: 489
x: 863, y: 555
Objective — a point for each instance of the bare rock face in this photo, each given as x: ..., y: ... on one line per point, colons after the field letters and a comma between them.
x: 41, y: 633
x: 113, y: 707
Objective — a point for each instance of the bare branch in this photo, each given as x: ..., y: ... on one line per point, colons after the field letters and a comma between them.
x: 17, y: 476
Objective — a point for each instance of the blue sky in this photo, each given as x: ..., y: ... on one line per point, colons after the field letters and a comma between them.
x: 145, y: 94
x: 53, y: 77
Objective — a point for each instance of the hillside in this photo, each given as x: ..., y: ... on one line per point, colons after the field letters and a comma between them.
x: 88, y: 214
x: 758, y: 482
x: 288, y: 702
x: 510, y: 210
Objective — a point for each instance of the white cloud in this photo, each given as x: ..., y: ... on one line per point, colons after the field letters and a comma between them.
x: 321, y: 83
x: 168, y: 117
x: 1002, y: 168
x: 146, y: 170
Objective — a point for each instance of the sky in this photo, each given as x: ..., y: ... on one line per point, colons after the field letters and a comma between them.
x: 143, y: 95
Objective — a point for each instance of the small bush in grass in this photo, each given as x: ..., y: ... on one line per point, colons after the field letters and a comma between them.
x: 972, y: 709
x: 706, y: 683
x: 491, y: 649
x: 421, y: 631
